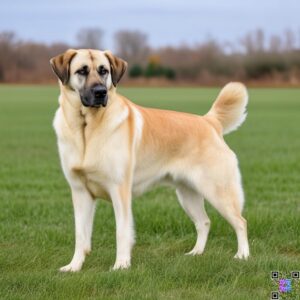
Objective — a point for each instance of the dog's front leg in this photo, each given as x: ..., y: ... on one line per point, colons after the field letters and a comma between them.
x: 121, y: 199
x: 84, y: 208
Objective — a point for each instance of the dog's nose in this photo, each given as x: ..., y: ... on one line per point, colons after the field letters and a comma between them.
x: 99, y: 91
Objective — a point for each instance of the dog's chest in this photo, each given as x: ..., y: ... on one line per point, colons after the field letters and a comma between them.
x: 96, y: 159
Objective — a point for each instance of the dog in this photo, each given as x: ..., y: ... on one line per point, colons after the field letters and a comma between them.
x: 111, y: 148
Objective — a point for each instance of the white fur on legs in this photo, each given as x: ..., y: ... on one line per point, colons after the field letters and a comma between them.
x: 241, y: 232
x: 227, y: 201
x: 84, y: 208
x: 124, y: 227
x: 193, y: 204
x: 239, y: 224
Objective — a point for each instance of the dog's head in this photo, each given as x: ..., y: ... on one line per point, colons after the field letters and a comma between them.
x: 90, y: 73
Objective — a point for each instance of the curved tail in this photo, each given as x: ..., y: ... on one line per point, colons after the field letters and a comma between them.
x: 230, y: 106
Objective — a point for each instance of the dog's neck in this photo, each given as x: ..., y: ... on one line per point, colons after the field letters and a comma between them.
x: 77, y: 115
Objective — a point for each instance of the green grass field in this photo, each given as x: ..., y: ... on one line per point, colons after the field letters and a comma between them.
x: 36, y: 216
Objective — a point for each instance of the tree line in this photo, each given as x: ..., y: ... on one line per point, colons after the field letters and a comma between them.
x: 254, y: 58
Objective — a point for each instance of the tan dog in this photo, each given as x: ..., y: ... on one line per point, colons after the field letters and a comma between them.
x: 112, y: 148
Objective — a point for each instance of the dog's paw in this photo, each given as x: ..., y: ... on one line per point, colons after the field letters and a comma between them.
x: 194, y: 252
x: 121, y: 264
x: 71, y: 268
x: 243, y: 256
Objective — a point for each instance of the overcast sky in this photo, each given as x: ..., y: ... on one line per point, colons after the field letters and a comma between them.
x: 167, y: 22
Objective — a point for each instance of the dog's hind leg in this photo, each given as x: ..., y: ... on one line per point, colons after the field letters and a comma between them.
x: 227, y: 197
x: 84, y: 209
x: 193, y: 204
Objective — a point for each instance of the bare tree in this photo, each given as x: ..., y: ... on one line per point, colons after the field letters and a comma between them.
x: 290, y: 40
x: 7, y: 37
x: 254, y: 41
x: 91, y: 38
x: 259, y: 38
x: 7, y: 52
x: 275, y: 44
x: 248, y: 43
x: 132, y: 46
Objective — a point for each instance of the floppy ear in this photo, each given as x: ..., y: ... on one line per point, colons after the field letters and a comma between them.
x: 61, y: 65
x: 118, y: 67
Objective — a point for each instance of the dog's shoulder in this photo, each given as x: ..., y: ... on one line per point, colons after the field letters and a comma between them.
x: 58, y: 120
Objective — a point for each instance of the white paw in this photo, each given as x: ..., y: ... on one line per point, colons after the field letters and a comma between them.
x: 243, y: 255
x: 71, y: 268
x: 121, y: 264
x: 194, y: 252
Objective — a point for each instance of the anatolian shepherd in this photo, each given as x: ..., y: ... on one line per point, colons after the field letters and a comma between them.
x: 113, y: 149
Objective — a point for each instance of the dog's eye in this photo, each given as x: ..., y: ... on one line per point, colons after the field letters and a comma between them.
x: 102, y: 71
x: 83, y: 71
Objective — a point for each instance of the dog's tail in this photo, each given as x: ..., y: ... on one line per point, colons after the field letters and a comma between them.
x: 230, y: 106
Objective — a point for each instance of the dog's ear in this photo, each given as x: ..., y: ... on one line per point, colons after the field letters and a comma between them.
x: 61, y: 65
x: 118, y: 67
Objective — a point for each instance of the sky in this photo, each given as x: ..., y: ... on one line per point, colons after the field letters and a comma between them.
x: 166, y: 22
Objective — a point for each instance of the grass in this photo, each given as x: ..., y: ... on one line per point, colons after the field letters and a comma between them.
x: 36, y: 217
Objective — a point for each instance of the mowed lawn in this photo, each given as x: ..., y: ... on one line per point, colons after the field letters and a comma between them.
x: 36, y: 215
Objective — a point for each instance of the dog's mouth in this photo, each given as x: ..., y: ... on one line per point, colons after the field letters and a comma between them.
x: 94, y: 102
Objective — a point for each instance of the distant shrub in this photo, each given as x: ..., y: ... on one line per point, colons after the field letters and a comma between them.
x: 153, y: 70
x: 170, y: 73
x: 136, y: 71
x: 260, y: 65
x: 157, y: 70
